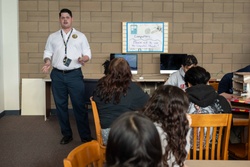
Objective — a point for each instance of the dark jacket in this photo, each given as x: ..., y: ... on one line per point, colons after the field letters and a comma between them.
x: 133, y: 101
x: 204, y: 99
x: 226, y: 82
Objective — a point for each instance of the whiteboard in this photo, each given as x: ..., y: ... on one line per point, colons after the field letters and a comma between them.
x: 33, y: 96
x: 151, y: 37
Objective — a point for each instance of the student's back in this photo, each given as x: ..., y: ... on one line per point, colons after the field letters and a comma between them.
x: 116, y: 94
x: 203, y: 98
x: 167, y: 108
x: 134, y: 100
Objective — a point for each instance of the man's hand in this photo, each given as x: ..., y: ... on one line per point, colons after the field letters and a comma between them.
x: 82, y: 60
x: 46, y: 67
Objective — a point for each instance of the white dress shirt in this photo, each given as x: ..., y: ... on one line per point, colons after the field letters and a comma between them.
x: 77, y: 46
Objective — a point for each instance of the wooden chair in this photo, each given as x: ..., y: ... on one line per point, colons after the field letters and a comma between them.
x: 98, y: 127
x: 87, y: 154
x: 214, y: 84
x: 241, y: 151
x: 218, y: 127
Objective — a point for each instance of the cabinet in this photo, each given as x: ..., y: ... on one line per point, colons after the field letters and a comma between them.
x: 149, y: 85
x: 241, y: 83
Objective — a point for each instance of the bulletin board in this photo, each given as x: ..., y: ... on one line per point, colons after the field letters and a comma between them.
x: 146, y: 37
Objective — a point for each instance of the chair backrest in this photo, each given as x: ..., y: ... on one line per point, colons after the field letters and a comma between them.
x: 210, y: 136
x: 215, y: 85
x: 96, y: 121
x: 84, y: 155
x: 98, y: 128
x: 240, y: 150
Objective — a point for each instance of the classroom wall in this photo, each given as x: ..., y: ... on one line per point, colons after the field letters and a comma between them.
x: 1, y: 63
x: 217, y: 32
x: 9, y: 57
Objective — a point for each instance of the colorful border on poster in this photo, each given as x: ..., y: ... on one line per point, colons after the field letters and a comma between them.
x: 145, y: 37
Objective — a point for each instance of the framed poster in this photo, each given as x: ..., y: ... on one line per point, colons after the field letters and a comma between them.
x: 146, y: 37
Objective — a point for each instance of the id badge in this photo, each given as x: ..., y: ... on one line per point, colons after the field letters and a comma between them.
x: 67, y: 62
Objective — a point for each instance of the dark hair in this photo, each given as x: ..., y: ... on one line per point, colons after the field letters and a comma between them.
x: 106, y: 66
x: 189, y: 60
x: 115, y: 83
x: 196, y: 75
x: 168, y: 106
x: 133, y: 142
x: 65, y: 11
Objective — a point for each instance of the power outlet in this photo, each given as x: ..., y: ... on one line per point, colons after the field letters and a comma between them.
x: 147, y: 90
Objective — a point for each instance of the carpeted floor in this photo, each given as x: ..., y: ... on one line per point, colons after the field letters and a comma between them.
x: 29, y: 141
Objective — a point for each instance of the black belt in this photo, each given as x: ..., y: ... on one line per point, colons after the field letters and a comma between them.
x: 66, y: 71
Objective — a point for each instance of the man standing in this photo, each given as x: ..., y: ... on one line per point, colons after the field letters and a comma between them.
x: 66, y: 51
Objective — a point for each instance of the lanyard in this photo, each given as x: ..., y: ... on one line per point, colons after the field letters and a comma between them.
x: 65, y: 43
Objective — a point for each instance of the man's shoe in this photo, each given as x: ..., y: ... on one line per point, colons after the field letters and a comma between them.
x: 66, y: 139
x: 87, y: 140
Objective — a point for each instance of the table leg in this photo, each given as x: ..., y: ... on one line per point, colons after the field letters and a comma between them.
x: 241, y: 120
x: 47, y: 99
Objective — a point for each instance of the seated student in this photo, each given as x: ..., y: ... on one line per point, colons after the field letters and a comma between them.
x: 203, y: 98
x: 225, y: 87
x: 167, y: 108
x: 177, y: 78
x: 133, y: 142
x: 116, y: 93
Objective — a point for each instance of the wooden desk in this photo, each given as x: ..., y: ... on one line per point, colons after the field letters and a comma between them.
x: 47, y: 98
x: 241, y: 117
x: 241, y: 104
x: 240, y: 108
x: 90, y: 84
x: 217, y: 163
x: 240, y: 121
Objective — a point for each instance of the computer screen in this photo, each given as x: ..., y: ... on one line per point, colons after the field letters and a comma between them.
x: 131, y: 59
x: 170, y: 62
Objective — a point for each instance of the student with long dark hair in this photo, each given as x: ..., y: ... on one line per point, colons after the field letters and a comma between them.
x: 116, y: 93
x: 167, y: 108
x: 133, y: 142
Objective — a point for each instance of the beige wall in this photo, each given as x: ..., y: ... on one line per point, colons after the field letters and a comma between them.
x: 9, y: 56
x: 217, y: 32
x: 1, y: 63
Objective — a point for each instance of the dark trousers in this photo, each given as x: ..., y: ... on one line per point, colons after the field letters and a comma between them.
x: 70, y: 84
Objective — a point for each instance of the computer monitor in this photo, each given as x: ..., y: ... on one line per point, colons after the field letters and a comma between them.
x: 131, y: 59
x: 170, y: 62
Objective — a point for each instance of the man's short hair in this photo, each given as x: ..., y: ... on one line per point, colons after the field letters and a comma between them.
x: 189, y: 60
x: 65, y: 11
